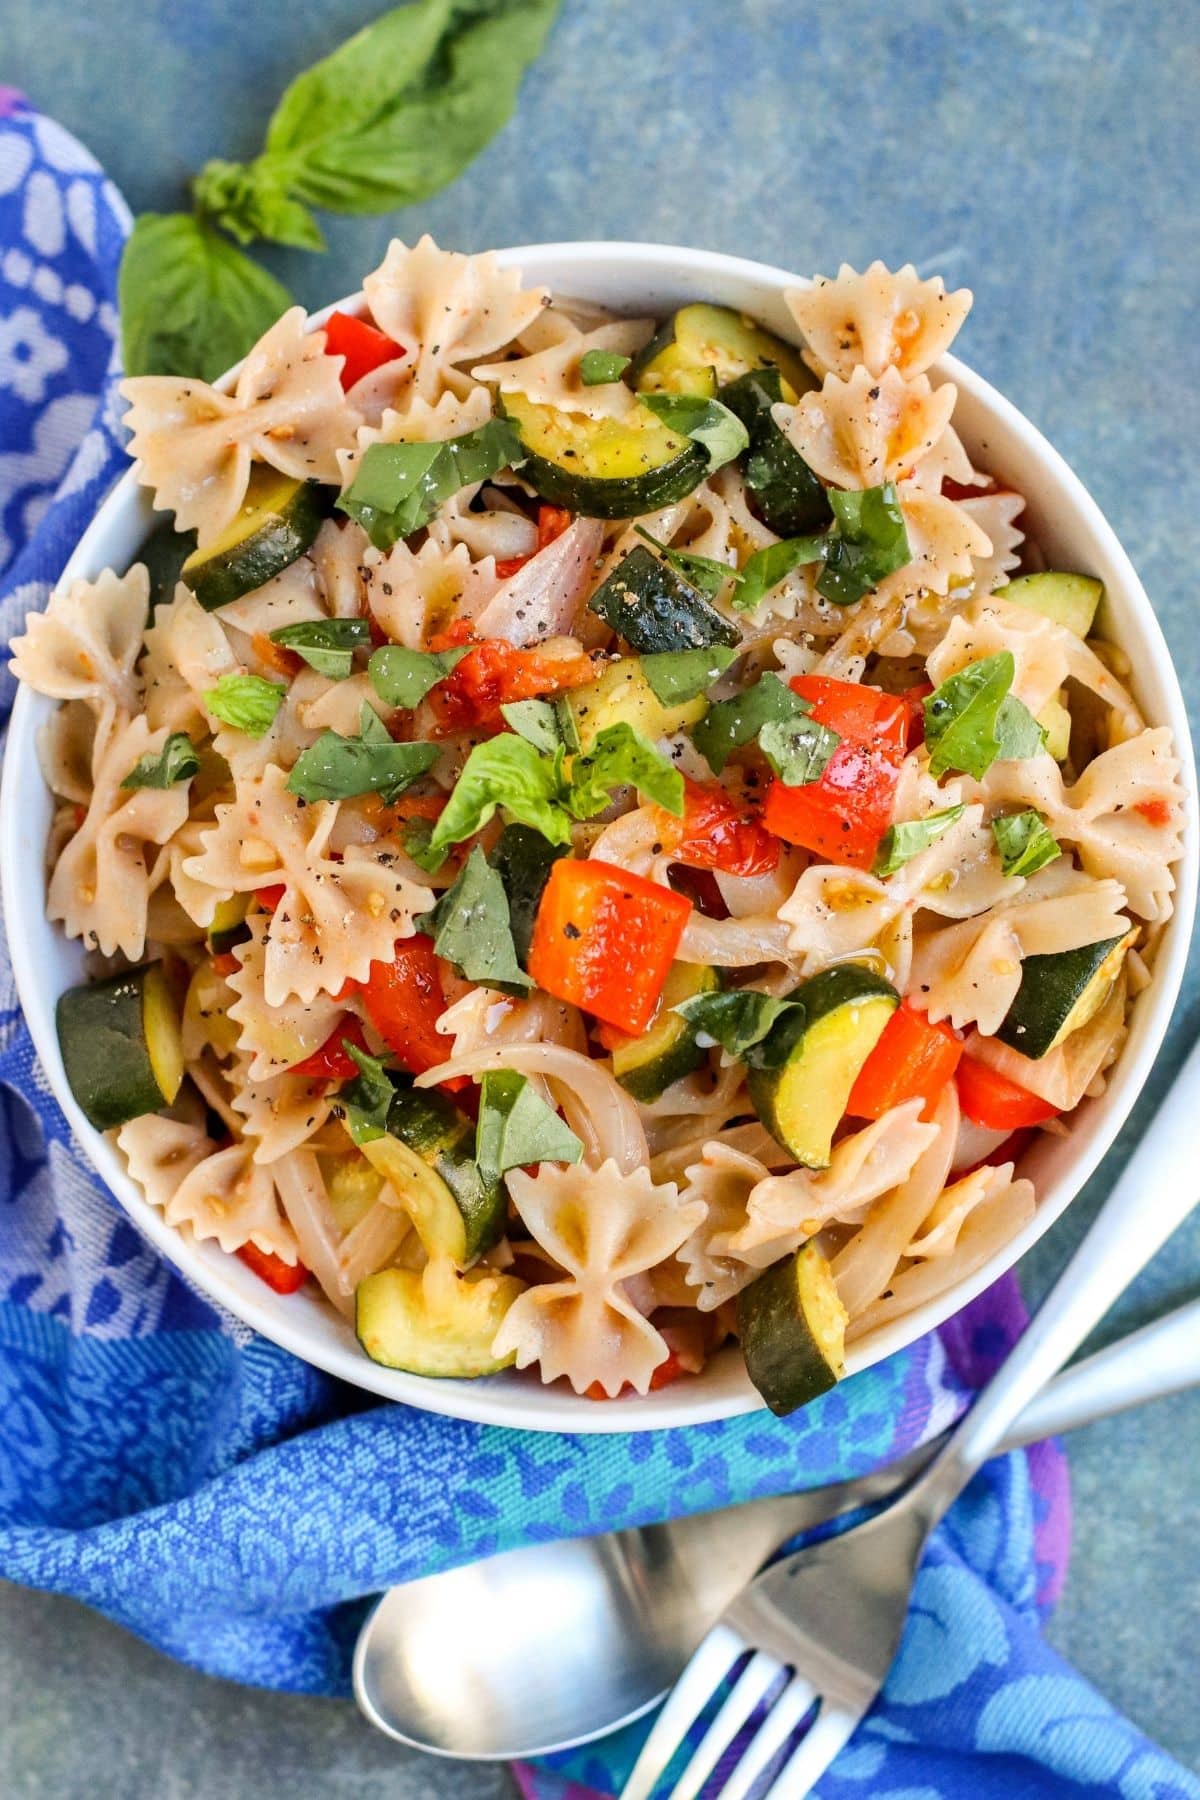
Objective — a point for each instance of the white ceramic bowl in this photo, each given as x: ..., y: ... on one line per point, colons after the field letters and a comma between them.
x: 636, y: 279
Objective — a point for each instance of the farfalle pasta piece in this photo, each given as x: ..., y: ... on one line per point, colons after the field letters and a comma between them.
x: 868, y: 429
x: 86, y: 644
x: 878, y: 318
x: 722, y: 1182
x: 275, y: 1038
x: 415, y: 594
x: 940, y: 1232
x: 195, y: 447
x: 336, y: 917
x: 945, y: 542
x: 280, y: 1113
x: 551, y: 376
x: 187, y: 653
x: 233, y: 1199
x: 66, y: 747
x: 448, y: 310
x: 601, y: 1227
x: 995, y: 514
x: 100, y: 887
x: 160, y: 1153
x: 419, y: 421
x: 336, y: 554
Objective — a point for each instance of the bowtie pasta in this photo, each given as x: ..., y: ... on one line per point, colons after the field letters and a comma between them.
x: 597, y: 837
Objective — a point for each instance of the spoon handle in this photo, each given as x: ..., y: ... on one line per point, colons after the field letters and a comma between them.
x: 1156, y: 1191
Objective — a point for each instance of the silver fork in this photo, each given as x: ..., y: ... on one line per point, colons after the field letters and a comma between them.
x: 821, y: 1627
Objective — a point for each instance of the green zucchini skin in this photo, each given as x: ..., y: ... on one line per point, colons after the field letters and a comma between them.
x: 106, y: 1030
x: 444, y: 1137
x: 523, y: 859
x: 792, y: 1328
x: 1070, y: 600
x: 1059, y: 993
x: 806, y: 1067
x: 652, y: 608
x: 645, y: 468
x: 275, y: 526
x: 787, y: 495
x: 646, y: 1066
x: 702, y: 345
x: 448, y: 1332
x: 164, y: 553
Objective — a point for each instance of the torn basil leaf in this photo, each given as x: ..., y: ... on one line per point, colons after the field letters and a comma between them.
x: 539, y: 722
x: 1025, y: 842
x: 798, y: 749
x: 505, y: 771
x: 364, y: 1103
x: 397, y: 488
x: 472, y: 928
x: 728, y: 725
x: 972, y: 720
x: 338, y: 768
x: 176, y: 761
x: 403, y: 677
x: 620, y: 758
x: 719, y: 432
x: 867, y: 542
x: 517, y: 1128
x: 326, y: 645
x: 598, y: 367
x: 415, y: 837
x: 676, y: 676
x: 245, y: 702
x: 739, y: 1019
x: 768, y: 567
x: 900, y: 843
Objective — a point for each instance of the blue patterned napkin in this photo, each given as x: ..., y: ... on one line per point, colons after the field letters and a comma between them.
x: 235, y: 1507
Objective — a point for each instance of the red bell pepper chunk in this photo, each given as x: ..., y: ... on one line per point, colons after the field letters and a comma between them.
x: 283, y: 1277
x: 552, y: 522
x: 269, y: 897
x: 493, y: 673
x: 842, y: 816
x: 715, y: 834
x: 993, y: 1101
x: 404, y: 1001
x: 604, y: 940
x: 364, y: 347
x: 333, y: 1062
x: 912, y: 1060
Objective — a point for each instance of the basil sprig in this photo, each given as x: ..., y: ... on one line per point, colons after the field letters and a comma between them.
x: 717, y: 431
x: 1025, y: 842
x: 245, y: 702
x: 397, y: 488
x: 326, y: 645
x: 176, y: 761
x: 338, y: 768
x: 867, y: 541
x: 768, y: 567
x: 364, y: 1103
x: 516, y: 1127
x: 972, y: 721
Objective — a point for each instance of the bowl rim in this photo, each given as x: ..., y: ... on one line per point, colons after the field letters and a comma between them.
x: 522, y: 1402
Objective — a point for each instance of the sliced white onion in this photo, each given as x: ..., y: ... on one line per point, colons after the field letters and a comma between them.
x: 540, y: 601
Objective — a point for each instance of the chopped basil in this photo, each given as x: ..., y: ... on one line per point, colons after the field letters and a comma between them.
x: 972, y: 720
x: 516, y: 1127
x: 719, y: 432
x: 505, y: 771
x: 868, y: 541
x: 704, y: 572
x: 1025, y: 842
x: 539, y: 721
x: 767, y: 568
x: 798, y: 749
x: 415, y: 837
x: 363, y: 1104
x: 676, y: 676
x: 729, y: 724
x: 327, y: 645
x: 620, y: 758
x: 338, y: 768
x: 900, y: 843
x: 403, y: 677
x: 176, y: 761
x: 472, y: 928
x: 245, y: 702
x: 740, y: 1020
x: 397, y: 488
x: 598, y: 367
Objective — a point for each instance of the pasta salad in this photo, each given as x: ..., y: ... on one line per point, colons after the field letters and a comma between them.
x: 596, y: 837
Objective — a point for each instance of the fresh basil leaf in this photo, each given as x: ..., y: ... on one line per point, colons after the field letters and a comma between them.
x: 798, y: 749
x: 730, y: 724
x: 868, y: 542
x: 415, y: 837
x: 397, y: 488
x: 900, y: 843
x: 704, y: 572
x: 972, y: 719
x: 516, y: 1127
x: 719, y: 432
x: 676, y: 676
x: 538, y: 721
x: 250, y: 200
x: 768, y: 567
x: 740, y: 1019
x: 472, y: 927
x: 338, y: 768
x: 364, y: 1104
x: 505, y: 771
x: 620, y: 758
x: 403, y: 677
x: 1025, y: 842
x: 245, y: 702
x: 190, y: 303
x: 176, y: 761
x: 327, y: 645
x: 598, y: 367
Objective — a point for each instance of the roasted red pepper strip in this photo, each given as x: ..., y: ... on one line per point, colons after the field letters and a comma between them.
x: 552, y: 522
x: 404, y: 1001
x: 333, y: 1062
x: 714, y: 833
x: 842, y: 816
x: 284, y: 1278
x: 269, y: 897
x: 913, y: 1060
x: 992, y: 1100
x: 493, y: 673
x: 604, y: 940
x: 276, y: 656
x: 363, y: 346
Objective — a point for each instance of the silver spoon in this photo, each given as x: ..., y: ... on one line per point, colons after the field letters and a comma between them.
x: 548, y: 1646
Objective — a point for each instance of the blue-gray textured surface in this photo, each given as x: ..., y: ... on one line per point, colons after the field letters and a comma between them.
x: 1046, y: 156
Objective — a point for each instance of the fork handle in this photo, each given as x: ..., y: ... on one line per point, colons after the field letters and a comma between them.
x: 1158, y: 1188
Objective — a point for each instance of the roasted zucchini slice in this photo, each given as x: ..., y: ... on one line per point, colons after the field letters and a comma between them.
x: 435, y: 1322
x: 1070, y: 600
x: 275, y: 524
x: 646, y: 1066
x: 428, y: 1155
x: 164, y: 553
x: 789, y: 497
x: 702, y: 346
x: 604, y: 468
x: 622, y: 695
x: 793, y: 1330
x: 228, y: 927
x: 1060, y: 993
x: 652, y: 608
x: 122, y: 1045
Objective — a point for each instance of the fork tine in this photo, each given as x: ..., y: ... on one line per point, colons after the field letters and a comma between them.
x: 708, y: 1667
x: 774, y: 1732
x: 812, y: 1756
x: 755, y: 1680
